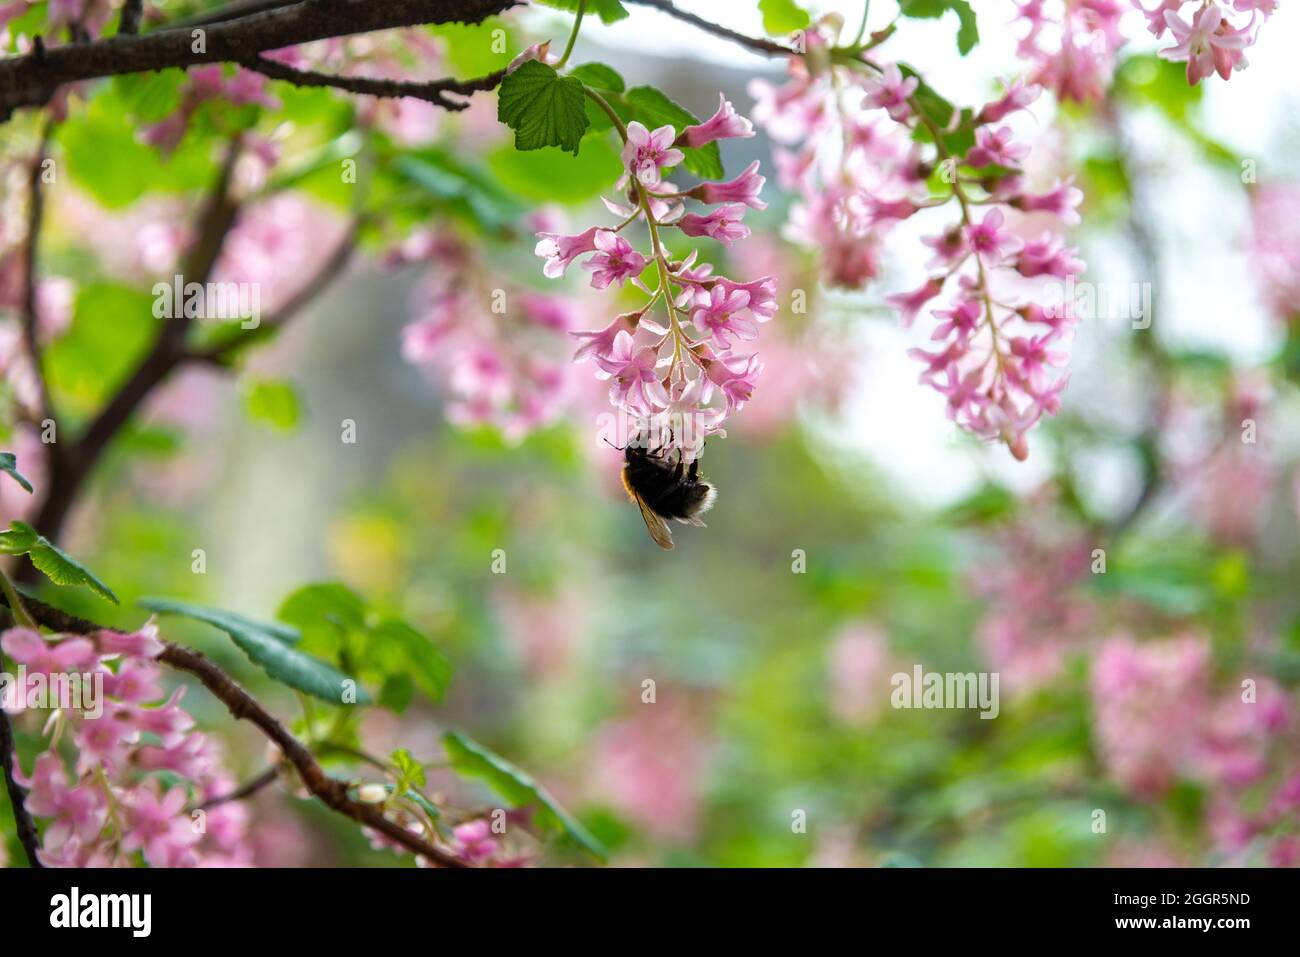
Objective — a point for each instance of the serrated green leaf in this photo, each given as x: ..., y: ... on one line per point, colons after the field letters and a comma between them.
x: 542, y: 107
x: 782, y: 17
x: 53, y: 562
x: 968, y: 33
x: 609, y: 11
x: 9, y: 465
x: 653, y: 108
x: 271, y: 647
x: 323, y: 613
x: 472, y: 759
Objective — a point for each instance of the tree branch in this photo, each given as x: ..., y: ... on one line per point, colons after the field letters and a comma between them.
x: 757, y: 44
x: 32, y: 79
x: 132, y: 13
x: 24, y: 824
x: 331, y: 791
x: 31, y: 311
x: 70, y: 469
x: 434, y: 91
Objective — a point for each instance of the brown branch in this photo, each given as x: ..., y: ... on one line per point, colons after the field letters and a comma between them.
x: 31, y: 307
x: 32, y: 79
x: 331, y: 791
x: 245, y: 790
x: 757, y: 44
x: 220, y: 353
x: 69, y: 470
x: 433, y: 91
x: 23, y: 822
x: 132, y: 13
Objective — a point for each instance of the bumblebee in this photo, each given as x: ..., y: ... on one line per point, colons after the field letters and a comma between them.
x: 665, y: 487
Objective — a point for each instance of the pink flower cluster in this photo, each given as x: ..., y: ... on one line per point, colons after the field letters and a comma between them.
x: 1159, y: 717
x: 999, y: 347
x: 690, y: 373
x: 835, y: 159
x: 489, y: 344
x: 1275, y: 247
x: 115, y: 809
x: 859, y: 174
x: 1214, y: 38
x: 1072, y: 45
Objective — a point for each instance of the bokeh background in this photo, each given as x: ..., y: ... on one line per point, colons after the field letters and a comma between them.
x: 857, y: 532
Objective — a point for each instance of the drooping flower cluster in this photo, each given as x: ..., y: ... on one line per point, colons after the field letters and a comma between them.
x: 1160, y: 717
x: 1000, y: 346
x: 138, y: 764
x: 688, y: 375
x: 496, y: 347
x: 1001, y: 329
x: 834, y: 159
x: 1209, y: 36
x: 1072, y: 45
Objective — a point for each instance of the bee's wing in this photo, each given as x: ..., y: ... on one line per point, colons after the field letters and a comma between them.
x: 657, y: 526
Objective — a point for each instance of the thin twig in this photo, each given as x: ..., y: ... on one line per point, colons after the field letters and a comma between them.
x: 757, y: 44
x: 132, y: 13
x: 331, y: 791
x: 31, y: 306
x: 432, y: 91
x: 245, y: 790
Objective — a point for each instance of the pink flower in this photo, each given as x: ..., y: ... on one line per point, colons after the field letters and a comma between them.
x: 723, y: 224
x: 601, y: 342
x: 889, y: 92
x: 77, y: 811
x: 735, y: 377
x: 720, y: 316
x: 69, y: 655
x: 158, y: 826
x: 559, y: 251
x: 474, y: 841
x: 1208, y: 43
x: 995, y: 146
x: 1017, y: 96
x: 743, y: 189
x: 761, y: 293
x: 1048, y: 256
x: 913, y: 302
x: 646, y: 153
x: 140, y: 644
x: 136, y: 682
x: 988, y: 240
x: 1062, y: 201
x: 726, y: 123
x: 636, y: 384
x: 615, y: 260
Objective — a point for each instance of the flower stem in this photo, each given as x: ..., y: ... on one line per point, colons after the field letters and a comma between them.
x: 609, y: 111
x: 573, y: 36
x: 21, y: 616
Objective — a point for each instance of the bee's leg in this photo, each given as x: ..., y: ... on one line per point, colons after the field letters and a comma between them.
x: 694, y: 470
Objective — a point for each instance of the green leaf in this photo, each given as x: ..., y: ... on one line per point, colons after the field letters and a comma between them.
x: 957, y: 137
x: 782, y: 17
x: 9, y: 465
x: 542, y: 107
x: 56, y: 564
x: 472, y: 759
x: 273, y: 402
x: 112, y: 328
x: 605, y: 80
x: 609, y: 11
x: 552, y: 175
x: 425, y: 664
x: 968, y: 33
x: 271, y: 647
x: 324, y: 613
x: 410, y: 770
x: 653, y: 108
